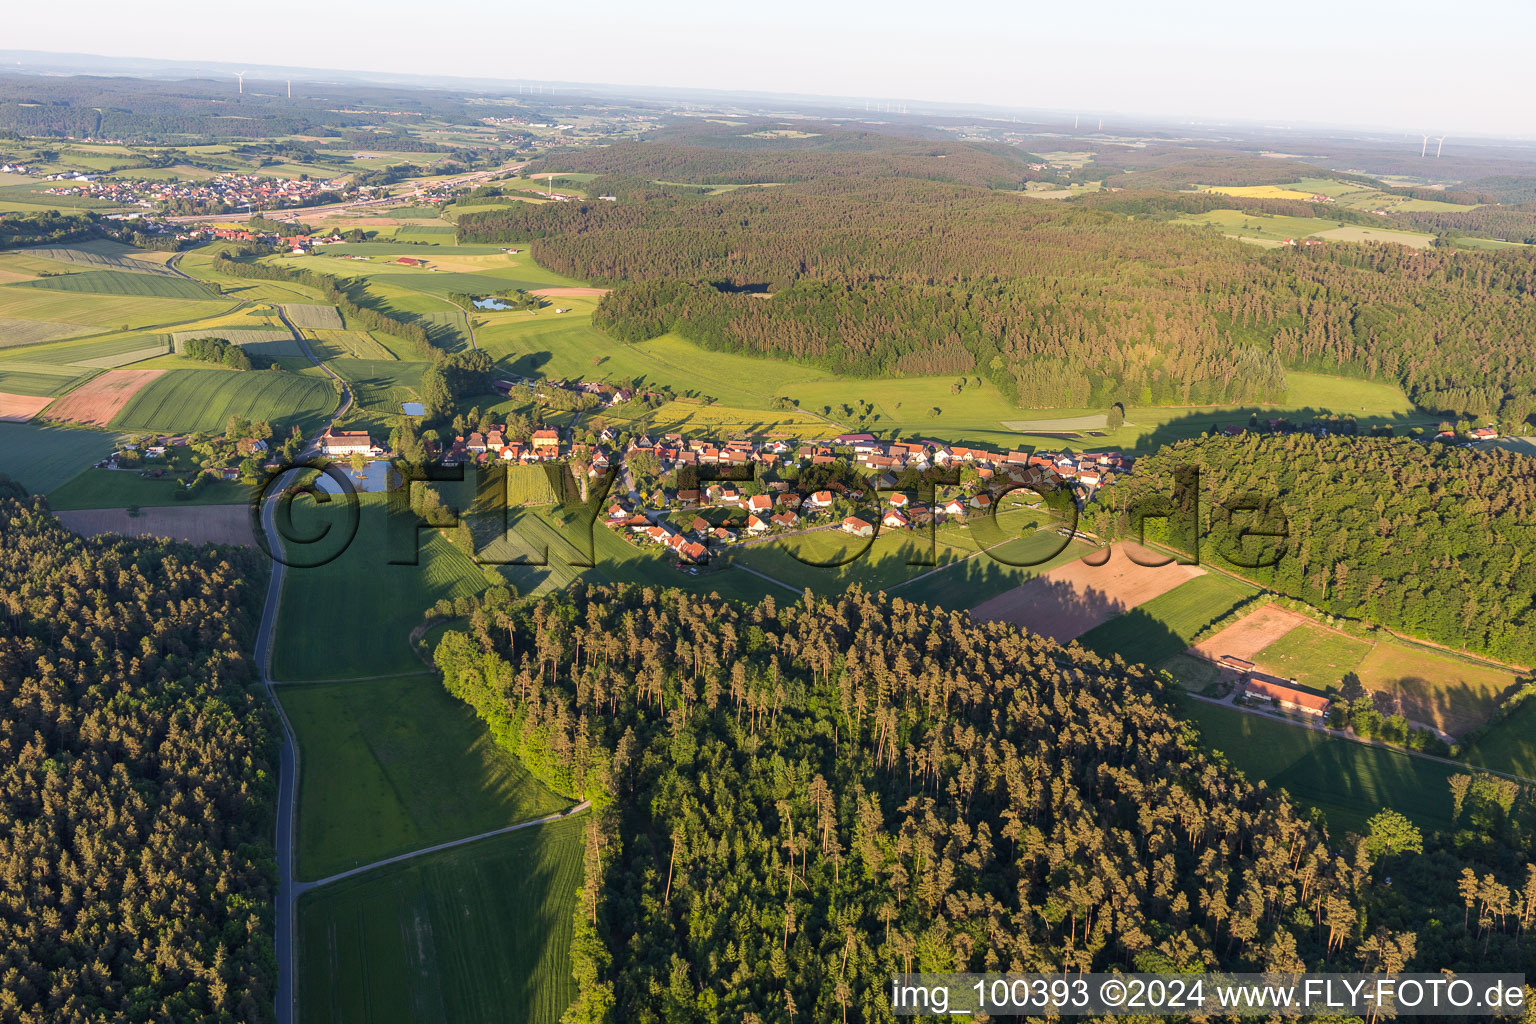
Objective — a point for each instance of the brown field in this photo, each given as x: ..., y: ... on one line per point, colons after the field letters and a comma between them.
x: 197, y: 524
x: 570, y: 293
x: 20, y: 408
x: 95, y: 402
x: 1068, y: 601
x: 1249, y: 635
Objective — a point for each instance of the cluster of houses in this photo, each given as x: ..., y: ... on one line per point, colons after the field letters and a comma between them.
x: 294, y: 243
x: 225, y: 191
x: 781, y: 508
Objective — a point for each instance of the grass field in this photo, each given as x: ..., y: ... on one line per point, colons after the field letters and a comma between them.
x: 113, y: 488
x: 352, y: 616
x: 1347, y: 781
x: 122, y: 282
x: 1509, y: 746
x: 115, y: 312
x: 273, y: 342
x: 391, y: 765
x: 329, y: 345
x: 15, y: 333
x: 44, y: 458
x: 1244, y: 225
x: 191, y: 400
x: 1451, y: 693
x: 1314, y: 656
x: 1164, y: 626
x: 19, y: 377
x: 103, y: 253
x: 313, y: 317
x: 1356, y: 233
x: 478, y: 934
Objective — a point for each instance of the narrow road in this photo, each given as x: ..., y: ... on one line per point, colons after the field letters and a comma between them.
x: 287, y: 782
x: 303, y: 887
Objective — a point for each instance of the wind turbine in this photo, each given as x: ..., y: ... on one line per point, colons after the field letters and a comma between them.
x: 1424, y: 148
x: 241, y: 75
x: 1439, y: 145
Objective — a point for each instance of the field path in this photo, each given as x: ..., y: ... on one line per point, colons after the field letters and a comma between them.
x: 302, y: 887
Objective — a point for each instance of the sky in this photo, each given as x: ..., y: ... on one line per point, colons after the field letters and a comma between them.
x: 1410, y: 65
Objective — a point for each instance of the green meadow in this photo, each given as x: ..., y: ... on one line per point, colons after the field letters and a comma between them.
x: 478, y: 934
x: 1348, y: 781
x: 192, y: 400
x: 352, y: 616
x: 392, y: 765
x: 1164, y: 626
x: 43, y: 458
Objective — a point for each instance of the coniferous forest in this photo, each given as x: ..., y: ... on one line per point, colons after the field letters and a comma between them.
x: 136, y: 805
x: 799, y: 799
x: 1061, y: 305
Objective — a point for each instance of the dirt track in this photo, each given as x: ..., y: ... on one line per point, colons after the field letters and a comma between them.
x: 198, y: 524
x: 98, y: 400
x: 1069, y: 600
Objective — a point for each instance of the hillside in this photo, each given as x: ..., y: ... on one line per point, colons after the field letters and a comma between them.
x: 805, y: 798
x: 1057, y: 304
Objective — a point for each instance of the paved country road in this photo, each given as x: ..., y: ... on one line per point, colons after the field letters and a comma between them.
x: 288, y: 769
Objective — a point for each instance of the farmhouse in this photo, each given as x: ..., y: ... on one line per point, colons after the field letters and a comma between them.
x: 348, y: 442
x: 1260, y: 687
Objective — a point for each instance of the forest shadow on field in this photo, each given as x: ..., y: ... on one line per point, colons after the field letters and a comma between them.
x: 1062, y: 610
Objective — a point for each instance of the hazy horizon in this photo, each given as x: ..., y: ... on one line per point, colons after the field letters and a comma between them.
x: 1314, y: 64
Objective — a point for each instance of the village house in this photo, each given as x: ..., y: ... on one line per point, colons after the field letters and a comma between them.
x: 857, y: 527
x: 348, y: 442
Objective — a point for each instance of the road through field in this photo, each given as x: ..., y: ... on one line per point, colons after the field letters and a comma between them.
x: 288, y: 768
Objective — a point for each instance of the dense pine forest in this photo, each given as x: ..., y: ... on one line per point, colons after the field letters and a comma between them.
x: 798, y: 799
x: 1435, y: 540
x: 733, y: 159
x: 1060, y: 305
x: 136, y: 805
